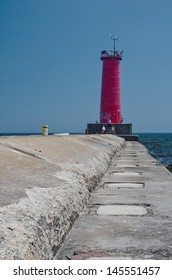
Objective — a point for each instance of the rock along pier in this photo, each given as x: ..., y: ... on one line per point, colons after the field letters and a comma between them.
x: 83, y: 197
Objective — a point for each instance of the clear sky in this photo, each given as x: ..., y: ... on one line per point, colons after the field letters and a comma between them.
x: 50, y: 67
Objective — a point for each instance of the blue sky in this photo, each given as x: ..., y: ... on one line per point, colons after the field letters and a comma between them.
x: 50, y: 67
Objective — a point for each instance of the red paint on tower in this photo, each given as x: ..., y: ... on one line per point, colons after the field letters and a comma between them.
x: 110, y: 107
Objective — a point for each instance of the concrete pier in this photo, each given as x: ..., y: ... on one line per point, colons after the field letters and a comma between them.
x: 83, y: 197
x: 129, y: 215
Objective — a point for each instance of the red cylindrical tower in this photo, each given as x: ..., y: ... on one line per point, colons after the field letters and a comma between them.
x: 110, y: 107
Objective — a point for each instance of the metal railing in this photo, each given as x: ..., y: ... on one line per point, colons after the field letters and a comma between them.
x: 111, y: 54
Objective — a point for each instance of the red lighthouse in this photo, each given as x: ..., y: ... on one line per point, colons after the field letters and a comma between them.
x: 110, y: 107
x: 110, y: 104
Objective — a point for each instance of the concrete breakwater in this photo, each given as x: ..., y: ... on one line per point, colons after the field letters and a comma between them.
x: 44, y: 184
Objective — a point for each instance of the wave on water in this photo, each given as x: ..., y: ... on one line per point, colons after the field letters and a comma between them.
x: 159, y: 146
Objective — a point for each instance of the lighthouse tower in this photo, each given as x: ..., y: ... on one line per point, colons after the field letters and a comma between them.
x: 110, y: 104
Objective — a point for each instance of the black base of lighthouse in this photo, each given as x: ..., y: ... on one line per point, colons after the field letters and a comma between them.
x: 96, y: 128
x: 123, y: 130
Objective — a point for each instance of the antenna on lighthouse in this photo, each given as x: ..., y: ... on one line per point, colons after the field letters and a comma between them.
x: 114, y: 38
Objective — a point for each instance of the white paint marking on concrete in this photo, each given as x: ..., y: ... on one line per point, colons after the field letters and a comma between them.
x: 124, y: 185
x: 117, y: 210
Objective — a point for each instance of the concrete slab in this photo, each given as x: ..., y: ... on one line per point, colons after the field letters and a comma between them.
x: 121, y: 196
x: 127, y: 157
x: 119, y: 178
x: 99, y: 256
x: 125, y: 173
x: 126, y: 165
x: 117, y: 210
x: 109, y: 258
x: 124, y: 185
x: 125, y: 162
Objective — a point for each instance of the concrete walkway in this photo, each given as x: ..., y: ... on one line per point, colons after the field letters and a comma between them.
x: 129, y: 215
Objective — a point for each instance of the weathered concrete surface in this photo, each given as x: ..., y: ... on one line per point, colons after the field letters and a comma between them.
x: 44, y: 184
x: 118, y: 210
x: 108, y: 229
